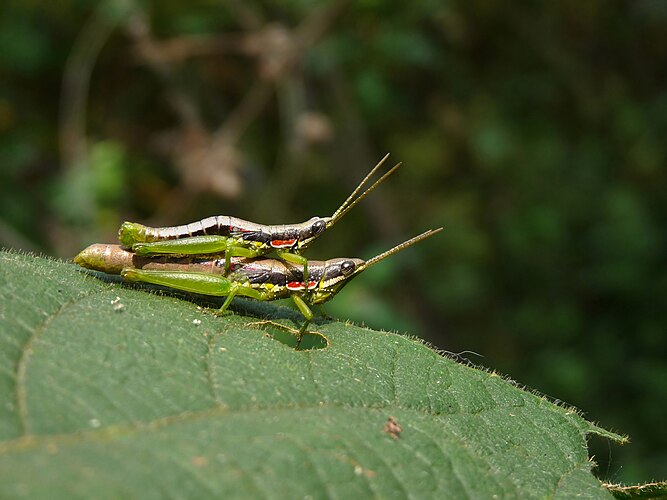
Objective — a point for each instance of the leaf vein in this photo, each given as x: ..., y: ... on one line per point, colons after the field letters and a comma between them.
x: 25, y: 354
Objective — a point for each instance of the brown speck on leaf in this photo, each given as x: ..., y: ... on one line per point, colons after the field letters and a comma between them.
x: 392, y: 428
x: 199, y: 461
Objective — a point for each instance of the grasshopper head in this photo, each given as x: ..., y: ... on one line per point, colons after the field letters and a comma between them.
x: 311, y: 229
x: 336, y: 274
x: 339, y: 272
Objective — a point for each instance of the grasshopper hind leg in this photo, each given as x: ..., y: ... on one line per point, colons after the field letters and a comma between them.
x: 201, y: 283
x: 303, y: 343
x: 195, y: 246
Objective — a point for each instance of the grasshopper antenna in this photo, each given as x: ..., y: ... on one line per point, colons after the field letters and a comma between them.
x: 352, y: 201
x: 402, y: 246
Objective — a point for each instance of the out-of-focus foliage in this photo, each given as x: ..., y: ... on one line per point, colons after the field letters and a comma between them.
x: 534, y: 132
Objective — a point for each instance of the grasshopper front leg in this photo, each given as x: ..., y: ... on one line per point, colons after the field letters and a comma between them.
x: 303, y: 307
x: 205, y: 284
x: 295, y: 259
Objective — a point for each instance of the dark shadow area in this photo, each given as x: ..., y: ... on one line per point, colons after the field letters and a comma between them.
x: 265, y: 313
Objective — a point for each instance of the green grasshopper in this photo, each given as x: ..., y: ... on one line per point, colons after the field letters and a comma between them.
x: 260, y: 279
x: 237, y: 237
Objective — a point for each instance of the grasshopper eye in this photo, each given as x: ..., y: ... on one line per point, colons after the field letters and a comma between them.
x: 347, y: 267
x: 318, y: 226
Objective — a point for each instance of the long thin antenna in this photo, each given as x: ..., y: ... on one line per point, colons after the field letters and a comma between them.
x: 359, y: 186
x: 351, y: 201
x: 363, y: 195
x: 402, y: 246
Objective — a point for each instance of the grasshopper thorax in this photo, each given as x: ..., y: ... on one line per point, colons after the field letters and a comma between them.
x: 294, y: 237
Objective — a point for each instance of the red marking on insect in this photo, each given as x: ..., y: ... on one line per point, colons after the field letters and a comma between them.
x: 295, y: 285
x: 283, y: 243
x: 298, y: 285
x: 236, y: 229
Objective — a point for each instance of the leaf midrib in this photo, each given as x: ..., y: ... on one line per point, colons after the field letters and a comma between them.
x: 219, y: 410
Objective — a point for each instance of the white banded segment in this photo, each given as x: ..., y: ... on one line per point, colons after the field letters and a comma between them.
x: 215, y: 225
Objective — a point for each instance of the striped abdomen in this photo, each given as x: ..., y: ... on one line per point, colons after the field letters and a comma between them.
x: 279, y: 236
x: 218, y: 225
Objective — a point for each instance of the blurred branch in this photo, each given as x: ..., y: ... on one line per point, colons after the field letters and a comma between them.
x: 210, y: 160
x: 152, y: 53
x: 178, y: 49
x: 246, y: 14
x: 318, y: 23
x: 76, y: 84
x: 281, y: 65
x: 244, y: 114
x: 207, y: 160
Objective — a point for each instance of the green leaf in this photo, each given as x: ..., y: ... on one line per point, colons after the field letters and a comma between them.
x: 111, y: 392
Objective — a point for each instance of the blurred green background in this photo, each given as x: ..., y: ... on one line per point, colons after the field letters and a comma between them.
x: 534, y: 132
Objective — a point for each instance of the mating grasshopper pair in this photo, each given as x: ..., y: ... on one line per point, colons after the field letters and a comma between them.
x: 188, y: 257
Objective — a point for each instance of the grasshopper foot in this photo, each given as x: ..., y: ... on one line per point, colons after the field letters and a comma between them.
x: 219, y: 314
x: 316, y: 340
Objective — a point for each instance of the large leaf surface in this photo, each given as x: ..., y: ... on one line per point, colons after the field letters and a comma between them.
x: 109, y: 392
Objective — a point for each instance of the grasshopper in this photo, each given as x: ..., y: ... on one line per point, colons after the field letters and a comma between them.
x: 260, y: 279
x: 237, y: 237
